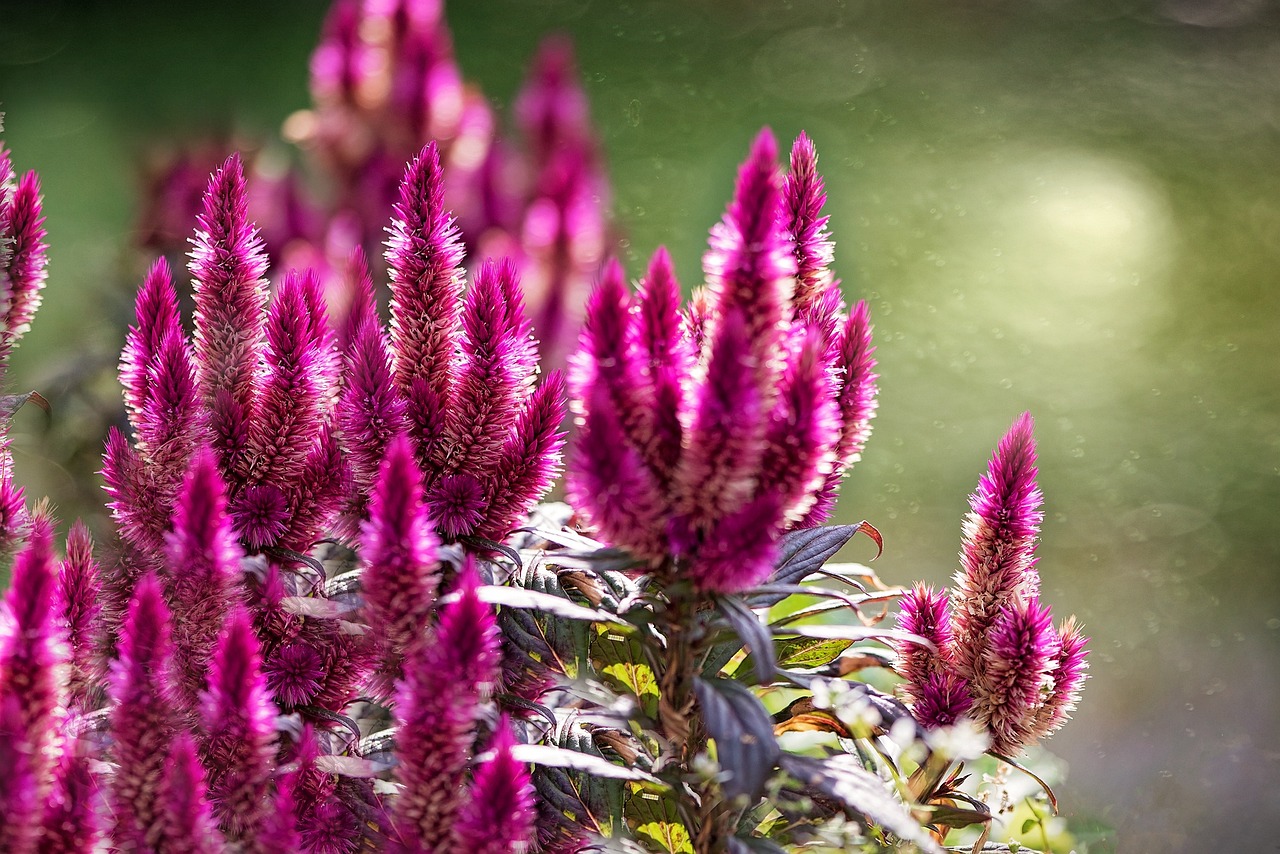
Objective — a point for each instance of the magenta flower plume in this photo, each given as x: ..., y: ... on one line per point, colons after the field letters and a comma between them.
x: 317, y: 496
x: 72, y: 814
x: 741, y: 549
x: 401, y: 573
x: 23, y: 258
x: 143, y: 718
x: 187, y: 825
x: 803, y: 196
x: 227, y: 265
x: 1007, y: 688
x: 997, y: 567
x: 498, y: 817
x: 203, y: 571
x: 80, y: 613
x: 280, y: 830
x: 30, y: 656
x: 436, y: 711
x: 927, y: 613
x: 1068, y: 678
x: 295, y: 674
x: 942, y: 700
x: 294, y: 397
x: 13, y: 504
x: 424, y: 256
x: 20, y: 798
x: 239, y: 722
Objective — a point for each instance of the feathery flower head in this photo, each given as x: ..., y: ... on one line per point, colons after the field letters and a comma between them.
x: 1068, y: 678
x: 1008, y: 688
x: 803, y: 197
x: 20, y: 796
x: 941, y: 700
x: 23, y: 256
x: 927, y: 613
x: 498, y: 817
x: 80, y: 612
x: 72, y: 814
x: 186, y: 821
x: 294, y: 673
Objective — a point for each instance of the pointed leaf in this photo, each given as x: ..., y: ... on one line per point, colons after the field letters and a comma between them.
x: 655, y: 820
x: 792, y: 653
x: 803, y: 552
x: 620, y: 660
x: 516, y: 597
x: 754, y: 635
x: 745, y: 744
x: 559, y: 757
x: 843, y: 778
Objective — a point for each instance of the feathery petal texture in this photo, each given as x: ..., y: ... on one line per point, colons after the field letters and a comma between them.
x: 498, y: 817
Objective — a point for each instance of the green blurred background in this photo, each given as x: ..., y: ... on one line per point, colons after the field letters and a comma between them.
x: 1067, y: 207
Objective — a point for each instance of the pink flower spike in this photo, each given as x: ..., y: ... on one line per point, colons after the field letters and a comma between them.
x: 924, y: 612
x: 551, y: 106
x: 424, y: 254
x: 498, y: 817
x: 186, y: 823
x: 436, y: 710
x: 203, y: 563
x: 941, y: 700
x: 803, y: 197
x: 529, y: 462
x: 72, y: 815
x: 295, y: 674
x: 170, y: 422
x: 156, y: 309
x: 740, y: 550
x: 80, y: 611
x: 316, y: 498
x: 30, y: 656
x: 997, y: 567
x: 143, y: 718
x: 1008, y: 685
x: 20, y: 797
x: 239, y: 719
x: 22, y: 263
x: 1068, y: 680
x: 227, y: 265
x: 401, y: 572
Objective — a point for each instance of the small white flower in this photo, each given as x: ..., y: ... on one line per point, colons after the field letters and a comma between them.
x: 961, y: 742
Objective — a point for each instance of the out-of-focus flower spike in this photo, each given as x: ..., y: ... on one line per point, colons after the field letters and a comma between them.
x: 340, y: 61
x: 156, y: 309
x: 30, y: 657
x: 725, y: 436
x: 187, y: 825
x: 996, y: 558
x: 941, y: 700
x: 143, y: 718
x: 498, y: 817
x: 295, y: 388
x: 748, y: 265
x: 1068, y: 680
x: 551, y: 107
x: 424, y: 254
x: 1008, y: 684
x: 529, y: 462
x: 22, y: 273
x: 72, y: 815
x: 803, y: 197
x: 20, y: 797
x: 927, y: 613
x: 362, y: 306
x: 436, y: 711
x: 608, y: 482
x: 13, y: 504
x: 79, y: 610
x: 316, y: 498
x: 280, y: 830
x: 239, y: 720
x: 491, y: 384
x: 666, y: 359
x: 740, y: 550
x: 228, y: 264
x: 203, y: 568
x: 804, y: 430
x: 401, y: 576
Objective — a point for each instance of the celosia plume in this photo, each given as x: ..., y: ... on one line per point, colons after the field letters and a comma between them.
x: 80, y: 613
x: 186, y: 822
x: 498, y: 816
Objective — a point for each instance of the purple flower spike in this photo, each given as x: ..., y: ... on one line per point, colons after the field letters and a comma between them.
x: 230, y: 293
x: 29, y: 658
x: 424, y: 254
x: 493, y: 381
x: 941, y: 700
x: 294, y: 398
x: 157, y: 318
x: 295, y: 674
x: 22, y: 260
x: 529, y: 461
x: 741, y: 549
x: 187, y: 825
x: 498, y: 818
x: 1012, y: 674
x: 20, y: 798
x: 13, y: 503
x: 804, y: 431
x: 803, y: 198
x: 997, y: 566
x: 203, y: 561
x: 436, y: 710
x: 80, y: 612
x: 316, y: 499
x: 143, y: 718
x: 239, y: 720
x: 926, y: 613
x: 401, y: 573
x: 1068, y: 680
x: 72, y: 820
x: 170, y: 422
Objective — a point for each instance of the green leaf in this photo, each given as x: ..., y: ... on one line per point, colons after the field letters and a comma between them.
x: 620, y: 661
x: 745, y: 745
x: 792, y: 653
x: 1028, y: 824
x: 843, y: 778
x: 655, y: 821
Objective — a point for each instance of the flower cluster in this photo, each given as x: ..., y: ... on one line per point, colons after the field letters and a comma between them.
x: 707, y: 433
x: 999, y: 661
